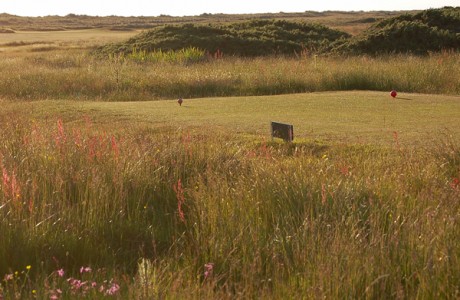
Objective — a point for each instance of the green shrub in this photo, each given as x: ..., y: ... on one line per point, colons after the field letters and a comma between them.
x: 253, y: 38
x: 427, y: 31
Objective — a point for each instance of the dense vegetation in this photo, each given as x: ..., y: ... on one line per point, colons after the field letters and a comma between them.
x: 430, y: 30
x: 253, y: 38
x: 73, y: 75
x: 121, y: 207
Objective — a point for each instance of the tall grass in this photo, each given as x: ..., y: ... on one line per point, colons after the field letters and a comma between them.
x: 70, y: 75
x: 182, y: 214
x: 184, y: 56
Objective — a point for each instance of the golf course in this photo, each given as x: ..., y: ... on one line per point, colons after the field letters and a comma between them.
x: 111, y: 189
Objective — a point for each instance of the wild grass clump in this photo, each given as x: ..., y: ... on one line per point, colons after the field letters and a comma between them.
x: 183, y: 56
x: 184, y: 214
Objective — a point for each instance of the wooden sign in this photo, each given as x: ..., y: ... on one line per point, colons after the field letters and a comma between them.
x: 282, y: 131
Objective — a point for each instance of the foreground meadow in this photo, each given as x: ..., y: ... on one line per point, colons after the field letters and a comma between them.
x: 145, y: 200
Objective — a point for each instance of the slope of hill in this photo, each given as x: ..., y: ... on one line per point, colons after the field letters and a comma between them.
x: 252, y: 38
x: 426, y: 31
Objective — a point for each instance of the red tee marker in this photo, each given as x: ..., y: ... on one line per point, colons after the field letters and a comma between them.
x: 393, y: 93
x: 180, y: 101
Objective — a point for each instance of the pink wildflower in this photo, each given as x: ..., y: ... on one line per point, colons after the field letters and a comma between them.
x: 55, y: 294
x: 209, y: 267
x: 9, y: 277
x: 115, y: 149
x: 455, y: 183
x: 6, y: 182
x: 113, y: 289
x: 85, y: 270
x: 75, y: 283
x: 178, y: 189
x: 60, y: 136
x: 60, y: 272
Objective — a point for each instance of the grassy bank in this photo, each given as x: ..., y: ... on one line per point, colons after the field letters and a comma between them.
x: 143, y: 210
x: 75, y: 75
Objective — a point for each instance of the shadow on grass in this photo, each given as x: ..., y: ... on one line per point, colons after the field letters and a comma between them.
x: 313, y: 148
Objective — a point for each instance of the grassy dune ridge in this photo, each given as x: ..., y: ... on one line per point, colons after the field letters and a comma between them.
x: 352, y: 22
x: 431, y: 30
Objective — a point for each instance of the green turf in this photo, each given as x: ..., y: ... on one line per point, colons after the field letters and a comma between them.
x: 363, y: 117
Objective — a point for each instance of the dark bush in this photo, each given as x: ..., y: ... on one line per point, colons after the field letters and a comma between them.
x: 253, y: 38
x: 428, y: 31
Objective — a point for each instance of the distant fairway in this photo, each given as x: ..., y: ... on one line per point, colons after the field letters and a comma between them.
x: 349, y: 117
x: 36, y: 40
